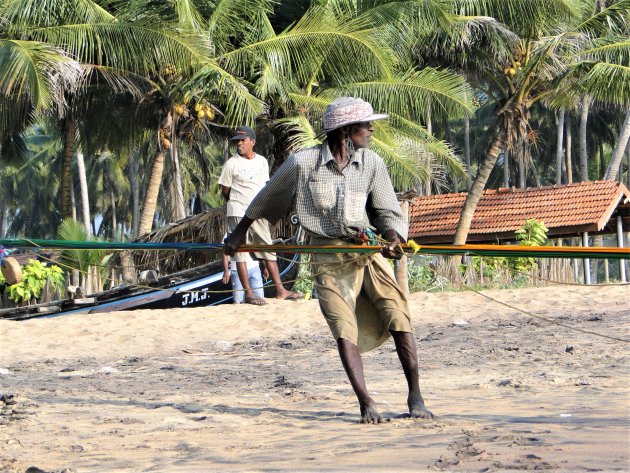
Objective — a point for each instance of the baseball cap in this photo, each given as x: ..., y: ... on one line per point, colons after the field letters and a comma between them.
x: 244, y: 132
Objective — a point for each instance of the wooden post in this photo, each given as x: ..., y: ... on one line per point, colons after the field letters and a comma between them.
x: 586, y: 261
x: 400, y: 266
x: 622, y: 263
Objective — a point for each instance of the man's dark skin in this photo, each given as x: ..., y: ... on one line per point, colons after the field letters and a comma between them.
x: 361, y: 136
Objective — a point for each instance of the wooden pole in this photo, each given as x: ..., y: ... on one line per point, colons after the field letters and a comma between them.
x: 400, y: 266
x: 622, y: 263
x: 586, y: 261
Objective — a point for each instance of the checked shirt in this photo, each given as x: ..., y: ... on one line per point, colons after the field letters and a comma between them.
x: 331, y: 203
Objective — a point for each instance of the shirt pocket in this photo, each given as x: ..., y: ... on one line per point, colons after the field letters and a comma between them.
x: 324, y: 195
x: 355, y: 206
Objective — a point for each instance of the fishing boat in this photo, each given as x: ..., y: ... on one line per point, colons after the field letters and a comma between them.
x: 199, y: 286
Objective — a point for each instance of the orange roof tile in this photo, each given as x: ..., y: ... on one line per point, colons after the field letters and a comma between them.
x: 567, y: 209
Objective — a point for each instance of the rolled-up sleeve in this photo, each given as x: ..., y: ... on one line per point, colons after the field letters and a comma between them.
x: 276, y: 198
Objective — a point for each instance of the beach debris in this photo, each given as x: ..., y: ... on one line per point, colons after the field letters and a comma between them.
x: 460, y: 322
x: 8, y: 399
x: 34, y: 469
x: 582, y: 382
x: 510, y: 348
x: 432, y: 336
x: 223, y: 345
x: 569, y: 349
x: 5, y: 371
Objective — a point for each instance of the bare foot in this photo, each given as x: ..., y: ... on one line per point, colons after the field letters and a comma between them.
x: 417, y: 410
x: 255, y: 301
x: 289, y: 296
x: 369, y: 414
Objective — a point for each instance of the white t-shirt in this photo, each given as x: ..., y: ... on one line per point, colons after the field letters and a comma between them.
x: 245, y: 177
x: 251, y: 264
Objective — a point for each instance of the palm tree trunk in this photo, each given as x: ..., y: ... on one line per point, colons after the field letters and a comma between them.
x: 583, y: 156
x: 180, y: 207
x: 506, y: 168
x: 467, y: 152
x: 85, y: 199
x: 3, y: 218
x: 449, y: 137
x: 559, y: 152
x: 155, y: 180
x: 177, y: 191
x: 153, y: 190
x: 66, y: 168
x: 112, y: 200
x: 522, y: 173
x: 476, y: 190
x: 427, y: 184
x: 135, y: 193
x: 622, y: 141
x: 569, y: 152
x: 73, y: 204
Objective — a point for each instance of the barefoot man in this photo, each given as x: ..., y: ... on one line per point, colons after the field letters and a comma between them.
x: 242, y: 177
x: 341, y: 189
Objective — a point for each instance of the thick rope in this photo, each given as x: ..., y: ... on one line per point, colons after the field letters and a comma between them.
x: 508, y: 251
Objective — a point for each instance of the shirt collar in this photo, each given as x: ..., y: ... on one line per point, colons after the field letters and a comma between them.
x: 326, y: 155
x: 236, y: 155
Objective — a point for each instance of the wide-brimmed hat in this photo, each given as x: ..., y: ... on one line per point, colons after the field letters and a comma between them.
x: 347, y: 111
x: 244, y: 132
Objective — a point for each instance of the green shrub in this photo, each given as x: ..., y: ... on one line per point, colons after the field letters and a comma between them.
x: 34, y: 277
x: 304, y: 282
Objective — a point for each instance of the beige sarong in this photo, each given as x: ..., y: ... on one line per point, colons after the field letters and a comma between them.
x: 359, y: 296
x: 257, y: 234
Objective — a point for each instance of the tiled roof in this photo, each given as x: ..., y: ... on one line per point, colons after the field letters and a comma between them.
x: 566, y: 209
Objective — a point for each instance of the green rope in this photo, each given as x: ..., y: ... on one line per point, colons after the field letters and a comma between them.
x: 507, y: 251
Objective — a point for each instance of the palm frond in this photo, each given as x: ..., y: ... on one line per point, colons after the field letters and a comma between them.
x: 527, y: 18
x: 135, y: 47
x: 43, y: 13
x: 414, y: 93
x: 298, y: 131
x: 225, y: 22
x: 614, y: 19
x: 222, y: 88
x: 37, y: 70
x: 317, y: 42
x: 188, y: 16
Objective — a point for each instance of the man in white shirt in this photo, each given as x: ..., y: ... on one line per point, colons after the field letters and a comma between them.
x: 254, y: 277
x: 242, y: 177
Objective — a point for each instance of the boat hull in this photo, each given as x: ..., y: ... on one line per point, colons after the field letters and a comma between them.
x: 199, y: 287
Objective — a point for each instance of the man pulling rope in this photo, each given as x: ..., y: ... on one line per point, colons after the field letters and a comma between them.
x: 341, y: 190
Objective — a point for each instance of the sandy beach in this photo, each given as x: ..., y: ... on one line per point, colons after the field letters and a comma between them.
x: 244, y: 388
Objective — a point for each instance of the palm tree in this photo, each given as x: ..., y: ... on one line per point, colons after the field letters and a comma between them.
x: 345, y: 48
x: 519, y: 62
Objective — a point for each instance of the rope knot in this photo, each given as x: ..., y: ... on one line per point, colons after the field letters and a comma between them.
x: 368, y: 237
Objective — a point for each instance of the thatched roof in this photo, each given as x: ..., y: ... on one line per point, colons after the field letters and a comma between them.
x: 205, y: 227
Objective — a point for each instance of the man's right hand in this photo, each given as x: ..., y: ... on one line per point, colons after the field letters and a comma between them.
x: 237, y: 237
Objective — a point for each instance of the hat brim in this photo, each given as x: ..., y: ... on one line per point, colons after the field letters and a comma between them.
x: 371, y: 118
x: 241, y: 137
